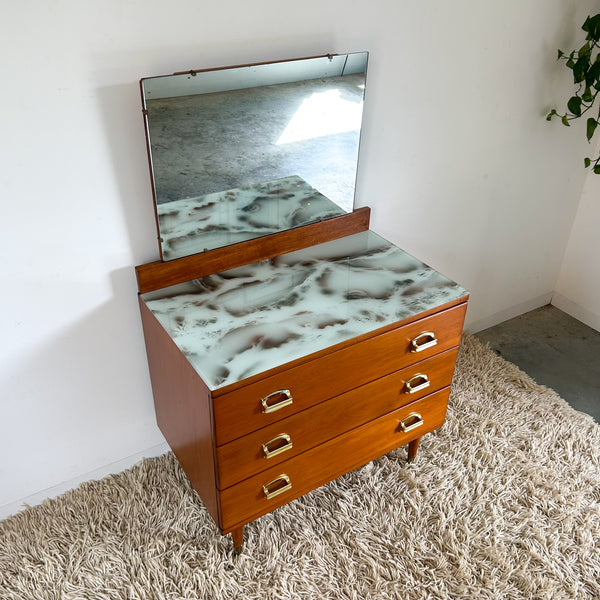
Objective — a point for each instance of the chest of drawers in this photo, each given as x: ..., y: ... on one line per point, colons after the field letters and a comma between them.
x: 276, y: 377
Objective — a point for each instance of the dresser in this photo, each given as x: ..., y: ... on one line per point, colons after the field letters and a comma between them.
x: 278, y: 375
x: 287, y: 343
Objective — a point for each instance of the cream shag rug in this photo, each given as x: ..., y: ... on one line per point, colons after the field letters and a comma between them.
x: 502, y: 502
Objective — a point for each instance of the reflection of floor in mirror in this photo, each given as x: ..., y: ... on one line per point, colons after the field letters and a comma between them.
x: 213, y: 142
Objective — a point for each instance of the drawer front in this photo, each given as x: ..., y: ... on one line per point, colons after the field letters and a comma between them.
x: 278, y: 442
x: 241, y: 411
x: 248, y: 500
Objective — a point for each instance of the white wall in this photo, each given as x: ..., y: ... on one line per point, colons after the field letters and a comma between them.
x: 457, y: 163
x: 471, y: 176
x: 578, y: 287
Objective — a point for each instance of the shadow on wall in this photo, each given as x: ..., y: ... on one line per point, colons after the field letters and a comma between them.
x: 121, y: 111
x: 104, y: 412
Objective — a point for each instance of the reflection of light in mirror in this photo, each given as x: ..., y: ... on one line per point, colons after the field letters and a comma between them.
x: 324, y: 113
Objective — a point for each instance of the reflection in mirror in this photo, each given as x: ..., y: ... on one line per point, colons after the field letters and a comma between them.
x: 242, y: 152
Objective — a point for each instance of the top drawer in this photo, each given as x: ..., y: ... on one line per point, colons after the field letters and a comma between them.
x: 243, y: 410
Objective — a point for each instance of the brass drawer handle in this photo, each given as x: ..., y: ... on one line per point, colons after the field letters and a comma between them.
x: 282, y: 437
x: 278, y: 490
x: 421, y: 381
x: 285, y: 401
x: 423, y: 341
x: 417, y: 421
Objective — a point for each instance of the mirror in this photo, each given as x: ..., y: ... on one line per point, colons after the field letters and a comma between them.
x: 242, y: 152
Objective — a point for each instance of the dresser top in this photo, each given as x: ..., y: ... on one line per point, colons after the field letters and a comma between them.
x: 242, y: 322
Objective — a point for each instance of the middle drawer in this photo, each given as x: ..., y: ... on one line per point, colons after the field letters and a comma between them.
x: 288, y: 437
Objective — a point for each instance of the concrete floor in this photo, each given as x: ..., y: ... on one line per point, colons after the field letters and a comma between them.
x: 555, y: 350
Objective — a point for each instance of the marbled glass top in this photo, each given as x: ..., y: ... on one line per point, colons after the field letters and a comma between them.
x: 215, y: 220
x: 241, y: 322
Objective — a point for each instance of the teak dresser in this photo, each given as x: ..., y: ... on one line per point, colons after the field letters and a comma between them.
x: 282, y: 363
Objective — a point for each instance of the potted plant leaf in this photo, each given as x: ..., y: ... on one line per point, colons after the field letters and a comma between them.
x: 585, y: 65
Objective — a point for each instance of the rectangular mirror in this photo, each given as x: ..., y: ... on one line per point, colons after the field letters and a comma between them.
x: 237, y: 153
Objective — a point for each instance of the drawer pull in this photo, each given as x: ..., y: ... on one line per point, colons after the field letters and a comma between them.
x: 267, y: 488
x: 417, y: 383
x: 411, y: 422
x: 286, y: 399
x: 282, y: 437
x: 423, y: 341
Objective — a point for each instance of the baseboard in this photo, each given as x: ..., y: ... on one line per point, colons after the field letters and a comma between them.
x: 508, y: 313
x: 14, y: 507
x: 577, y: 312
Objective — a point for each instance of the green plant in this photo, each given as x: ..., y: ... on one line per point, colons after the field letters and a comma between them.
x: 585, y: 64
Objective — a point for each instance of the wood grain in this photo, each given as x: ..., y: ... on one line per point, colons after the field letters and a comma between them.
x: 245, y: 457
x: 246, y: 501
x: 158, y: 274
x: 240, y: 411
x: 183, y: 410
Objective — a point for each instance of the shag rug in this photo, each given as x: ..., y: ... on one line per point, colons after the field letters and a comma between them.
x: 502, y: 502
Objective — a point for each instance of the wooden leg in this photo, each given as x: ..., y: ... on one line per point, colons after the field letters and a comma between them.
x: 238, y: 539
x: 412, y: 449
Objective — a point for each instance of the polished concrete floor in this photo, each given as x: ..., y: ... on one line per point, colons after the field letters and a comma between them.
x: 555, y: 350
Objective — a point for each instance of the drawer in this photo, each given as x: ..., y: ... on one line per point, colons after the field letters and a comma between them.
x: 297, y: 433
x: 248, y: 500
x: 241, y: 411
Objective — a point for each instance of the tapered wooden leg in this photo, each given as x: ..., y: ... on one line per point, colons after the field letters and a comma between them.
x: 238, y: 538
x: 412, y: 449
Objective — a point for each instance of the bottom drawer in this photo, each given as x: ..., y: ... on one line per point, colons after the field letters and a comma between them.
x: 248, y: 500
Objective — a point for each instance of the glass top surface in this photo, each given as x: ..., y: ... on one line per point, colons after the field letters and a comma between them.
x: 239, y: 323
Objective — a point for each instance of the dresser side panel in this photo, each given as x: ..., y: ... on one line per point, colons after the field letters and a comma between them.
x: 183, y: 407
